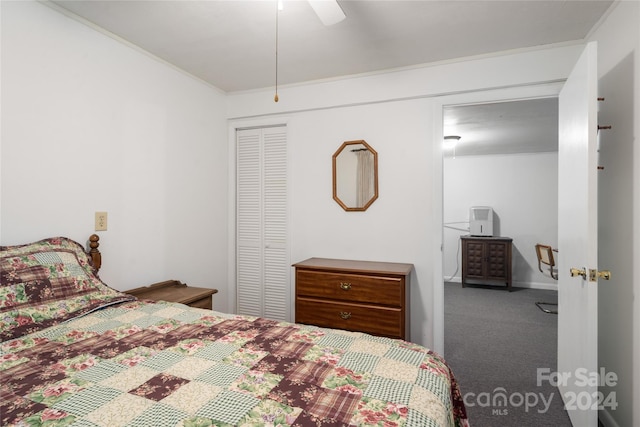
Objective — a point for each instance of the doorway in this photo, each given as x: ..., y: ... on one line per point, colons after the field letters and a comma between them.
x: 505, y: 158
x: 534, y: 91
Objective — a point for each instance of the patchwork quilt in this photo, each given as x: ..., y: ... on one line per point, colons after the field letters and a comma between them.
x: 166, y: 364
x: 47, y: 282
x: 75, y: 352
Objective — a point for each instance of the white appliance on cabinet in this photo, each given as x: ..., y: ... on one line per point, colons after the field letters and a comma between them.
x: 481, y: 221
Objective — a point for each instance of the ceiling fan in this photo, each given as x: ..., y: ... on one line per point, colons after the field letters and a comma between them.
x: 329, y: 11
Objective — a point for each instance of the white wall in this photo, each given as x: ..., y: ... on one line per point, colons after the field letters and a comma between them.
x: 522, y: 189
x: 321, y: 228
x: 619, y: 210
x: 89, y: 124
x: 394, y: 113
x: 514, y: 68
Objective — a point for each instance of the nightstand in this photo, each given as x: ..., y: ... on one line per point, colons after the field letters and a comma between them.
x: 176, y: 291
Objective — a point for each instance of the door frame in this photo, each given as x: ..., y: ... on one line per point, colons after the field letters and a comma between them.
x: 515, y: 93
x: 233, y: 126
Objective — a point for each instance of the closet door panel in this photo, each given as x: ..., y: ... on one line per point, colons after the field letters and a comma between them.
x: 263, y: 265
x: 248, y: 223
x: 276, y: 258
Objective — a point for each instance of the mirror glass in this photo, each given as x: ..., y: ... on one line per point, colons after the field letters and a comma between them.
x: 355, y: 175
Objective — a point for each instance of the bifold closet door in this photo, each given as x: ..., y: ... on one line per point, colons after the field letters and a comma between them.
x: 263, y: 265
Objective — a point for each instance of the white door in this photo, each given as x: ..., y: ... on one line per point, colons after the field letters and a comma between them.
x: 262, y: 257
x: 577, y: 242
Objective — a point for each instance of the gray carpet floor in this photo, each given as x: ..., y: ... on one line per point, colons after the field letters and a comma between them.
x: 496, y: 342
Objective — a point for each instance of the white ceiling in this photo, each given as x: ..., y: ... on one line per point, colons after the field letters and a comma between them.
x: 528, y: 126
x: 231, y: 45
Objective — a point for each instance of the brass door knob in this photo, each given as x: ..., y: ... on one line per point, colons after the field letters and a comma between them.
x: 595, y: 274
x: 604, y: 274
x: 578, y: 272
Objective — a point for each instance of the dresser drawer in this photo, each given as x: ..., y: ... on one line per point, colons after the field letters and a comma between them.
x: 202, y: 303
x: 364, y: 296
x: 376, y: 320
x: 350, y: 287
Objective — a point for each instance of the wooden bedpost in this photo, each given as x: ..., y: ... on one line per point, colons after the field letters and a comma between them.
x: 94, y: 252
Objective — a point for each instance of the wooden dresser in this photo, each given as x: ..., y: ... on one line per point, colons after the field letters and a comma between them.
x: 175, y: 291
x: 364, y: 296
x: 486, y: 259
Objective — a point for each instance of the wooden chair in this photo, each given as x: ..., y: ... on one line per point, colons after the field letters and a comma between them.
x: 545, y: 256
x: 546, y: 259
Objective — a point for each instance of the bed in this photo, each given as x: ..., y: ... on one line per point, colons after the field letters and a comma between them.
x: 75, y: 351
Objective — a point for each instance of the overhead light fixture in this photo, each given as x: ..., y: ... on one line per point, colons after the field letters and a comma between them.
x: 329, y: 11
x: 450, y: 142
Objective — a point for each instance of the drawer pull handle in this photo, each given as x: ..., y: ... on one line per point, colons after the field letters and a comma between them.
x: 345, y: 286
x: 345, y: 315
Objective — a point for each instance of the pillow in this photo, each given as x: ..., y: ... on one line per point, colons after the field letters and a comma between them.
x: 47, y: 282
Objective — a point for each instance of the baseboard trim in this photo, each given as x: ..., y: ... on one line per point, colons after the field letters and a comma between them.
x: 530, y: 285
x: 536, y: 285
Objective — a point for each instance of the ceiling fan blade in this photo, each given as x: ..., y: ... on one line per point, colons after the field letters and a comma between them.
x: 329, y: 11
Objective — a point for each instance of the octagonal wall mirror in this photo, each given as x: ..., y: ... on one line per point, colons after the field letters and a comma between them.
x: 355, y: 175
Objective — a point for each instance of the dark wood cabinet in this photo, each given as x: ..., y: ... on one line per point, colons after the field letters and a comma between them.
x: 486, y: 260
x: 363, y: 296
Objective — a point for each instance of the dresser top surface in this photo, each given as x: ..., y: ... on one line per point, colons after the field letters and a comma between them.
x: 502, y: 238
x: 172, y: 290
x: 355, y: 266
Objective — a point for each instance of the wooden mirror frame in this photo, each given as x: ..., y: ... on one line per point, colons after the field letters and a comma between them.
x: 344, y: 206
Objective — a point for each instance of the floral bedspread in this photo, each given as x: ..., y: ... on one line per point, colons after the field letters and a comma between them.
x: 47, y: 282
x: 141, y: 363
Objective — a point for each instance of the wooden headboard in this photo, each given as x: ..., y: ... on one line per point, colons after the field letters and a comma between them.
x: 94, y: 252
